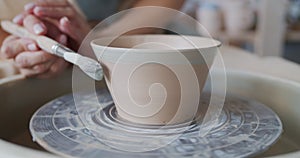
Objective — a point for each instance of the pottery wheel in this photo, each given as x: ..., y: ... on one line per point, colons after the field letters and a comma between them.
x: 245, y: 128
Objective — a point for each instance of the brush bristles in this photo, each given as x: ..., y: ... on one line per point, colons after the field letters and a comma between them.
x: 89, y: 66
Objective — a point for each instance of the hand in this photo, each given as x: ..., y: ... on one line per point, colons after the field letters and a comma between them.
x: 62, y: 15
x: 32, y: 61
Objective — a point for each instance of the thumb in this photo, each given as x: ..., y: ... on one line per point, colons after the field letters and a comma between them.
x: 34, y: 25
x: 62, y: 39
x: 71, y: 29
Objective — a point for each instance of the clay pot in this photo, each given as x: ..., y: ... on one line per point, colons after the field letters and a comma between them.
x: 156, y: 79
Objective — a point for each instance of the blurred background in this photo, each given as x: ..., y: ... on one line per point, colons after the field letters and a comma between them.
x: 263, y: 27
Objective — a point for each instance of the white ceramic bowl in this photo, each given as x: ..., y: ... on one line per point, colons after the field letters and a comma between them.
x: 156, y: 79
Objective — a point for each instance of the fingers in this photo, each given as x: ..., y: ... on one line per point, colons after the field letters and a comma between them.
x: 54, y: 3
x: 31, y: 23
x: 66, y: 27
x: 62, y: 39
x: 29, y: 7
x: 56, y: 68
x: 34, y: 25
x: 71, y: 28
x: 46, y: 70
x: 38, y: 64
x: 54, y: 12
x: 52, y: 29
x: 9, y: 39
x: 41, y: 64
x: 36, y: 70
x: 19, y: 18
x: 12, y: 46
x: 53, y: 8
x: 30, y: 59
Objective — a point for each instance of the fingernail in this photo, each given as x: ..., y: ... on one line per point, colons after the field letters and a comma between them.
x: 37, y: 10
x: 38, y: 29
x: 63, y: 39
x: 64, y: 20
x: 32, y: 47
x: 17, y: 18
x: 29, y: 6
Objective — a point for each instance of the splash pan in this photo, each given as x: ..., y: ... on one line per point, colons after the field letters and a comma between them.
x: 245, y: 128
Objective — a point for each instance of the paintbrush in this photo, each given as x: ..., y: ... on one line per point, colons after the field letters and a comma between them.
x: 89, y: 66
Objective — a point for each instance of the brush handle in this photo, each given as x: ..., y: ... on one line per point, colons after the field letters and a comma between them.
x: 44, y: 42
x: 16, y: 30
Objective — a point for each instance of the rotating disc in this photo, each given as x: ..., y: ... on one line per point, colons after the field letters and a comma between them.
x: 244, y: 128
